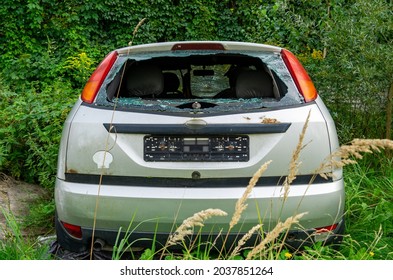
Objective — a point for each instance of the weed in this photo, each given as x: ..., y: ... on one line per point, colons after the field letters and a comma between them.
x: 15, y: 246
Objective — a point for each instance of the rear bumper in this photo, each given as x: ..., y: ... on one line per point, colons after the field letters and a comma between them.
x: 152, y: 213
x: 104, y: 240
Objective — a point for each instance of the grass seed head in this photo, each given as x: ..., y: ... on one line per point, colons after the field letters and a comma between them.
x: 294, y: 164
x: 187, y: 227
x: 241, y: 202
x: 243, y: 240
x: 273, y: 234
x: 350, y: 153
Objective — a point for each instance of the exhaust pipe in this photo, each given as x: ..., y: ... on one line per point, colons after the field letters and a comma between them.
x: 98, y: 244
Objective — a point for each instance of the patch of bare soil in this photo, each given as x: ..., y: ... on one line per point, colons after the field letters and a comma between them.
x: 17, y: 198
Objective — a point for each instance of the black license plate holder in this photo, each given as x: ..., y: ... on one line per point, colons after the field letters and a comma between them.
x: 232, y: 148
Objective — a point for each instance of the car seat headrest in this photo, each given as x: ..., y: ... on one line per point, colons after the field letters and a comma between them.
x: 145, y: 80
x: 254, y: 84
x: 171, y: 82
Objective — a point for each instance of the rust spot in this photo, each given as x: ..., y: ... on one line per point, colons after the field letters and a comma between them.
x: 269, y: 121
x: 73, y: 171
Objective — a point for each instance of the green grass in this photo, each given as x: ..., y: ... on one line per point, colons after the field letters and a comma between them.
x: 16, y: 246
x: 369, y: 206
x: 369, y: 215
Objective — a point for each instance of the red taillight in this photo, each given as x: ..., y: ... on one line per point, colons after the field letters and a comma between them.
x: 75, y: 231
x: 197, y: 46
x: 302, y: 79
x: 97, y: 78
x: 326, y: 229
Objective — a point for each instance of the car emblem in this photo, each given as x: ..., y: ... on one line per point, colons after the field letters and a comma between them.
x: 195, y: 124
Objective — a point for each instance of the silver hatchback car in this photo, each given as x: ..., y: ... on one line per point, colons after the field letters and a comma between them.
x: 162, y: 131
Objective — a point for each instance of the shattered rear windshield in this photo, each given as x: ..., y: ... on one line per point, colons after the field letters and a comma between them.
x: 198, y: 82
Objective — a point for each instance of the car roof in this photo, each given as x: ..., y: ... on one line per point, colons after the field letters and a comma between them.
x: 198, y: 45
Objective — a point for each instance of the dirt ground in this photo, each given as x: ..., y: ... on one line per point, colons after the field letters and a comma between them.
x: 16, y: 198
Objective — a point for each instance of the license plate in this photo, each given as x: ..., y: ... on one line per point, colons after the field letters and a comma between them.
x: 184, y: 148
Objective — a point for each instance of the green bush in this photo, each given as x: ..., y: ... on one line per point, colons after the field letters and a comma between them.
x: 355, y: 76
x: 31, y: 130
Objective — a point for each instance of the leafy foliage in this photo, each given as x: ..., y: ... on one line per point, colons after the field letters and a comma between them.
x: 49, y: 48
x: 31, y: 131
x: 358, y: 43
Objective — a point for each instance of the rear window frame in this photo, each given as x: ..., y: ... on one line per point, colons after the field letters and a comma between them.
x: 272, y: 61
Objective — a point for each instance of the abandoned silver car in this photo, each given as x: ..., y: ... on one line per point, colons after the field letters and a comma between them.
x: 162, y: 131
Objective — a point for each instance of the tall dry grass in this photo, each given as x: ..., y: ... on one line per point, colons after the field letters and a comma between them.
x: 241, y: 203
x: 294, y: 163
x: 346, y: 154
x: 351, y: 153
x: 273, y: 235
x: 188, y: 225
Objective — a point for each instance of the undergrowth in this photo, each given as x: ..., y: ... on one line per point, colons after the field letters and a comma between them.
x: 17, y: 246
